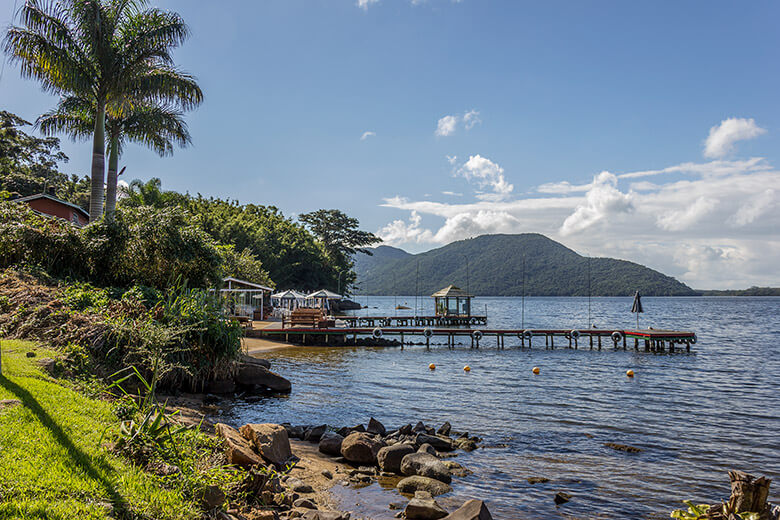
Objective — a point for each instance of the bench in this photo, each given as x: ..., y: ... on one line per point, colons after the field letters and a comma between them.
x: 310, y: 318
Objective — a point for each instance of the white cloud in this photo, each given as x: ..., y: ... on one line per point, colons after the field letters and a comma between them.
x: 452, y: 193
x: 470, y: 119
x: 365, y: 4
x: 486, y: 174
x: 366, y: 135
x: 562, y: 187
x: 446, y: 126
x: 602, y: 200
x: 684, y: 218
x: 400, y: 232
x: 754, y: 208
x: 709, y: 169
x: 724, y: 136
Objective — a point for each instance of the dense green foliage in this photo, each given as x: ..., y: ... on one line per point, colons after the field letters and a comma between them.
x: 492, y: 265
x: 30, y: 165
x: 751, y: 291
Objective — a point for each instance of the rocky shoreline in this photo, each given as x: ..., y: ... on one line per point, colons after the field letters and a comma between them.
x: 416, y: 457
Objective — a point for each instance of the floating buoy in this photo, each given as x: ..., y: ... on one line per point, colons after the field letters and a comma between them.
x: 535, y: 370
x: 432, y: 366
x: 377, y: 333
x: 630, y: 373
x: 467, y: 368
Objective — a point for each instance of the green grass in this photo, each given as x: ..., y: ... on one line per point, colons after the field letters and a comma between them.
x: 52, y: 465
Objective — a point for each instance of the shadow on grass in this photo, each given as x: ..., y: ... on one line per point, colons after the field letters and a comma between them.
x: 77, y: 456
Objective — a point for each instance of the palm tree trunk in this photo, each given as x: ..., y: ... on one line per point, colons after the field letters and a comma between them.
x: 111, y: 177
x: 98, y: 163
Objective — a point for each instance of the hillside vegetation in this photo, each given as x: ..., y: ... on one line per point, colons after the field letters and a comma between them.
x: 495, y: 268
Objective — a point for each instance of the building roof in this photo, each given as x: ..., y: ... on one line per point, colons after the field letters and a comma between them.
x: 451, y: 291
x: 289, y: 294
x: 249, y: 285
x: 55, y: 199
x: 323, y: 293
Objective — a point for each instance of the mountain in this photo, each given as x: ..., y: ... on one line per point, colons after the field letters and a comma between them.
x: 492, y: 265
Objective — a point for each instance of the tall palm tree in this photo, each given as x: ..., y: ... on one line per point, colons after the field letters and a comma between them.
x: 143, y: 122
x: 108, y: 51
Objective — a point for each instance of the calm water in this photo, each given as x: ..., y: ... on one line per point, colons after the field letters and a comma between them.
x: 694, y: 416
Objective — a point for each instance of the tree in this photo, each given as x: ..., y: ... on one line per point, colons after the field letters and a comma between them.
x: 28, y: 164
x: 149, y: 193
x: 143, y: 122
x: 341, y: 238
x: 108, y: 51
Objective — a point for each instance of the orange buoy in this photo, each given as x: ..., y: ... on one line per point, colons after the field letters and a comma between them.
x: 432, y: 366
x: 535, y: 370
x: 467, y: 368
x: 630, y: 373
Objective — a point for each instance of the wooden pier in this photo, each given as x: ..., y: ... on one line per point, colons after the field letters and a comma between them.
x: 412, y: 321
x: 650, y: 340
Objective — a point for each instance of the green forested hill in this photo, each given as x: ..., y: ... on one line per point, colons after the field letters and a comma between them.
x: 495, y: 268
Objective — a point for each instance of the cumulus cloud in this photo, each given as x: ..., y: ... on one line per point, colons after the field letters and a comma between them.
x: 486, y: 174
x: 686, y: 217
x: 724, y: 136
x: 602, y: 200
x: 404, y: 232
x: 446, y: 126
x: 366, y: 135
x: 753, y: 208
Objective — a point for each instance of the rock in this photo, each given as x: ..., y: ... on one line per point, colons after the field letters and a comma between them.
x: 561, y: 498
x: 395, y: 505
x: 361, y: 448
x: 222, y: 386
x: 376, y: 427
x: 255, y: 361
x: 425, y: 465
x: 456, y: 469
x: 439, y: 443
x: 252, y: 375
x: 419, y: 427
x: 424, y: 507
x: 298, y: 486
x: 314, y: 434
x: 427, y: 448
x: 389, y: 458
x: 211, y: 497
x: 405, y: 429
x: 261, y: 515
x: 237, y: 448
x: 270, y: 440
x: 445, y: 429
x: 31, y: 354
x: 470, y: 510
x: 327, y: 474
x: 414, y: 483
x: 537, y: 480
x: 49, y: 365
x: 305, y: 503
x: 622, y: 447
x: 465, y: 444
x: 295, y: 432
x: 9, y: 403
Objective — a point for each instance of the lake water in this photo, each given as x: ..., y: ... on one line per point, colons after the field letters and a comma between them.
x: 695, y: 416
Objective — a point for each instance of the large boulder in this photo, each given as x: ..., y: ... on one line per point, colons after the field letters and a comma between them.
x: 425, y: 465
x: 389, y: 458
x: 410, y: 485
x: 471, y: 510
x: 330, y: 443
x: 314, y: 433
x: 254, y: 375
x: 361, y: 448
x: 439, y: 443
x: 256, y: 361
x: 237, y: 448
x: 270, y: 440
x: 424, y: 507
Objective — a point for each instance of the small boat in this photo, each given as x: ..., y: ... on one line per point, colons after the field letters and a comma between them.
x: 402, y: 308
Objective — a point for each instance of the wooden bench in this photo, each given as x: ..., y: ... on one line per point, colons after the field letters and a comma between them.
x: 310, y: 318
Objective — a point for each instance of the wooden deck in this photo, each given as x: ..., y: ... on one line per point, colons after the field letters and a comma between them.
x: 418, y: 321
x: 652, y: 340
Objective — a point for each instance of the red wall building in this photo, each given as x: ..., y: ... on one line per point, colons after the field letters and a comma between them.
x: 52, y: 206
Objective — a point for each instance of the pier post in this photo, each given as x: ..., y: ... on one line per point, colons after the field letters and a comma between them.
x: 576, y: 343
x: 647, y: 345
x: 427, y: 342
x: 591, y: 340
x: 402, y: 340
x: 552, y: 341
x: 599, y: 341
x: 688, y: 346
x: 624, y: 342
x: 569, y: 341
x: 636, y: 344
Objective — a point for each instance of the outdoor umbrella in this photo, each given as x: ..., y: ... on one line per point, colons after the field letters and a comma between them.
x: 637, y: 307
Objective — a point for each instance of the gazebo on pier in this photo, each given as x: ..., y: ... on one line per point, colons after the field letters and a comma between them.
x: 452, y: 302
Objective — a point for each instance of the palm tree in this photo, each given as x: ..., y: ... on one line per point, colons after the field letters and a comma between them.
x: 143, y: 122
x: 107, y: 51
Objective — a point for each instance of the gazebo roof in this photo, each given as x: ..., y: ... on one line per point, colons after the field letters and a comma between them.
x: 324, y: 293
x: 451, y: 291
x: 289, y: 294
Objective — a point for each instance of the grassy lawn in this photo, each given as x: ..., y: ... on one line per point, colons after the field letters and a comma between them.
x: 51, y: 463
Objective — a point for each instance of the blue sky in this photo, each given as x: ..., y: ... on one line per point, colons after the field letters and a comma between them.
x: 540, y: 108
